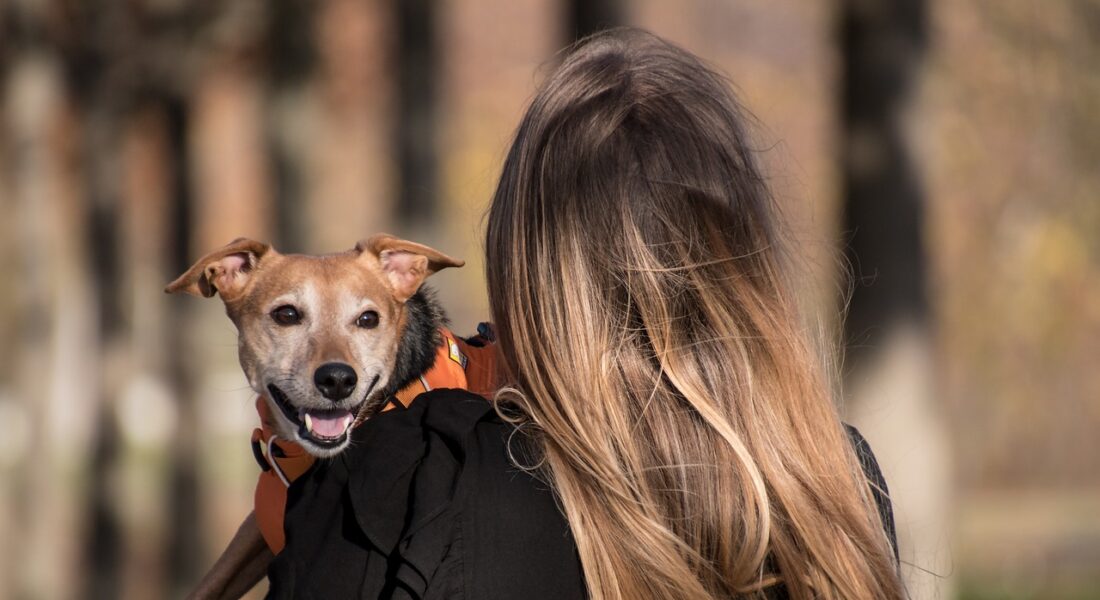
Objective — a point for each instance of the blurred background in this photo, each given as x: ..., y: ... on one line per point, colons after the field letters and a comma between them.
x: 946, y: 153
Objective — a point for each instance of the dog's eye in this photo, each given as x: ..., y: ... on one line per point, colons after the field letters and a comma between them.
x: 368, y: 320
x: 286, y: 315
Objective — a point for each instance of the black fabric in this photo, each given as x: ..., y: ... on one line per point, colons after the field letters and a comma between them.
x: 879, y: 491
x: 426, y: 504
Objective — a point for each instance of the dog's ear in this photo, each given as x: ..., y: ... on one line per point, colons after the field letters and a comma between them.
x: 405, y: 264
x: 225, y: 270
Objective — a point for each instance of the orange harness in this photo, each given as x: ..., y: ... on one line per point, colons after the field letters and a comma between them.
x: 458, y: 364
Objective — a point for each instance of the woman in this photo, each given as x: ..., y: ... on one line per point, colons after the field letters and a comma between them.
x: 667, y: 433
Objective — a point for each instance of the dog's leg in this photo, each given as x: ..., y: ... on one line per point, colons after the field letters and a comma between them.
x: 240, y: 567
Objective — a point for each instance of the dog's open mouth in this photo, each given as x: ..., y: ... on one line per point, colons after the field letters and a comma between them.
x: 327, y: 428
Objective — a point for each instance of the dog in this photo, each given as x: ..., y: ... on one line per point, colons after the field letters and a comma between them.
x: 326, y: 341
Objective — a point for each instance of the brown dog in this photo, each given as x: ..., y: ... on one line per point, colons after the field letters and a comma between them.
x: 325, y: 340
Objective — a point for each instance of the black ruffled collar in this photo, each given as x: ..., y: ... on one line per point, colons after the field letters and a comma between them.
x: 403, y: 465
x: 382, y: 513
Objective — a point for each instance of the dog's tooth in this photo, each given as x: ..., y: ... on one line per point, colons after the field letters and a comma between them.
x: 309, y: 423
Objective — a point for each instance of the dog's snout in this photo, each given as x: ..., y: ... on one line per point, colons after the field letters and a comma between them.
x: 335, y: 380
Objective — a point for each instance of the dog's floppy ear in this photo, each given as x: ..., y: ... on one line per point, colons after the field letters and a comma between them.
x: 405, y: 264
x: 225, y: 270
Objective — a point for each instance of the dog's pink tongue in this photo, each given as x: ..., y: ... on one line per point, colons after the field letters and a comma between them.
x: 330, y: 423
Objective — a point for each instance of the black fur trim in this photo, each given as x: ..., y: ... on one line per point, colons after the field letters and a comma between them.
x: 416, y: 350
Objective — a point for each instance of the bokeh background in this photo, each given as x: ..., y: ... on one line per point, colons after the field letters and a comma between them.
x: 944, y: 153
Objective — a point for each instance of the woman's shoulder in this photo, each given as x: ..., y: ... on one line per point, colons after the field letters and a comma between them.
x: 515, y: 541
x: 428, y: 503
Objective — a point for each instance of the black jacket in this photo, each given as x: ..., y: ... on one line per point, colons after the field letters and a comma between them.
x: 426, y: 504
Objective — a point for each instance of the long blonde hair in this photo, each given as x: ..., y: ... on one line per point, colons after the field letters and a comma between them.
x: 654, y: 350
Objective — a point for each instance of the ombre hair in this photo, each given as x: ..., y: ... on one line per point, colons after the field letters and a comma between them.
x: 654, y: 349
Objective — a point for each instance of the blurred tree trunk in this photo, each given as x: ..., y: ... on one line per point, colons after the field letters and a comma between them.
x: 882, y: 43
x: 486, y: 81
x: 290, y: 58
x: 182, y: 549
x: 889, y: 361
x: 146, y: 406
x: 591, y: 16
x: 103, y: 554
x: 54, y: 385
x: 416, y: 65
x: 349, y: 184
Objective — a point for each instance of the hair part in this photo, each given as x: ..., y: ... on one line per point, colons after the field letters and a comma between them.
x: 654, y: 348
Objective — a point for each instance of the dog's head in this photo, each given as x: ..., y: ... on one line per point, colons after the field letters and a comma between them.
x: 317, y: 335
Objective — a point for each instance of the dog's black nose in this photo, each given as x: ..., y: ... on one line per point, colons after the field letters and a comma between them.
x: 335, y: 380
